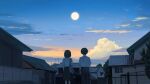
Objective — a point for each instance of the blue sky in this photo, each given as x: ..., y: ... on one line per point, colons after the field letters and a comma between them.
x: 45, y: 25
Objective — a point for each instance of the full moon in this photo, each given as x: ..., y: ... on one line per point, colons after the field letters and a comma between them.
x: 75, y: 16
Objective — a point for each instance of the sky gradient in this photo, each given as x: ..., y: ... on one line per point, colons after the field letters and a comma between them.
x: 104, y: 25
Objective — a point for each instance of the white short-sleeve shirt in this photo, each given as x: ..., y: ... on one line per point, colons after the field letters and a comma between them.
x: 84, y: 61
x: 67, y: 62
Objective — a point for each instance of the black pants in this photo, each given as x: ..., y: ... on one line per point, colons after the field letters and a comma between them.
x: 85, y: 75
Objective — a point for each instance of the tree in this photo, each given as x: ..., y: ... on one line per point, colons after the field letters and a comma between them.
x: 99, y: 65
x: 146, y: 58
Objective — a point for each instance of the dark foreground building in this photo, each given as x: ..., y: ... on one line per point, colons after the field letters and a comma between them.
x: 15, y: 68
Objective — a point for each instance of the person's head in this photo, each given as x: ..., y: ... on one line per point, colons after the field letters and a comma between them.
x: 67, y: 54
x: 84, y: 51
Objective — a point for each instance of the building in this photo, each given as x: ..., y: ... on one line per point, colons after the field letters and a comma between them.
x: 117, y: 65
x: 11, y: 50
x: 136, y: 59
x: 128, y: 69
x: 45, y: 73
x: 136, y: 49
x: 15, y: 68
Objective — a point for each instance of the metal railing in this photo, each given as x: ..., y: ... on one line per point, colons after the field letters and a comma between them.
x: 131, y: 78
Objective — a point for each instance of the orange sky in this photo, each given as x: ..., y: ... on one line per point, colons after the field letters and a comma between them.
x: 56, y: 52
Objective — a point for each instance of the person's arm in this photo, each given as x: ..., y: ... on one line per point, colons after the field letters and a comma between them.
x: 63, y: 62
x: 89, y: 61
x: 80, y: 65
x: 79, y: 60
x: 71, y: 60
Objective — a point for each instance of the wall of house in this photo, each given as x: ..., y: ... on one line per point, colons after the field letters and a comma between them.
x: 139, y: 76
x: 17, y: 75
x: 10, y: 56
x: 136, y: 75
x: 44, y: 76
x: 138, y: 51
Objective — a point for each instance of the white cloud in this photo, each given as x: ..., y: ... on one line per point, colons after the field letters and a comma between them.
x: 109, y: 31
x: 138, y: 25
x: 123, y: 25
x: 140, y: 18
x: 103, y: 48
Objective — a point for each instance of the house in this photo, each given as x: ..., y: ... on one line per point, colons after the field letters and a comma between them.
x: 128, y: 69
x: 40, y: 68
x: 122, y: 72
x: 11, y: 60
x: 136, y: 58
x: 117, y: 65
x: 11, y: 50
x: 15, y: 68
x: 136, y: 49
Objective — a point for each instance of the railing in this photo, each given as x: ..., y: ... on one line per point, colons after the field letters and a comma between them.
x: 131, y: 78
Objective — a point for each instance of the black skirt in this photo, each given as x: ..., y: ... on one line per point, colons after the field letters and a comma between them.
x: 67, y: 74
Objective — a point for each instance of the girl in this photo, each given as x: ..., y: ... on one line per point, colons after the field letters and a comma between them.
x: 67, y: 66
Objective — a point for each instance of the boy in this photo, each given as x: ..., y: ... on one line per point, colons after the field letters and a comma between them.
x: 85, y: 63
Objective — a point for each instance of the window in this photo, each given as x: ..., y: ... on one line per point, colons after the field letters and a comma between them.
x: 118, y: 70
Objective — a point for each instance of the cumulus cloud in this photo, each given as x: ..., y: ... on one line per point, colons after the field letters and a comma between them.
x: 109, y: 31
x: 103, y: 49
x: 121, y: 50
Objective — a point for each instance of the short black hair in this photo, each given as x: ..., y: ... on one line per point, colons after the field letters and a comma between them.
x: 84, y: 51
x: 67, y: 54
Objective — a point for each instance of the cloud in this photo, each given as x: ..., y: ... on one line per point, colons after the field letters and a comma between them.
x: 17, y: 27
x: 121, y: 50
x: 103, y: 49
x: 36, y: 48
x: 140, y: 18
x: 123, y: 25
x: 109, y: 31
x: 138, y: 23
x: 55, y: 52
x: 6, y: 15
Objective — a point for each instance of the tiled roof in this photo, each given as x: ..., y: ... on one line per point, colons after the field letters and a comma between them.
x: 37, y: 63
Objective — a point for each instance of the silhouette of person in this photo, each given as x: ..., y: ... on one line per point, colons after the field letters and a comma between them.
x: 85, y: 63
x: 67, y: 66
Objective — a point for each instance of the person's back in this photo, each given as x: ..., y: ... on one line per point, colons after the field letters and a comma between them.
x: 67, y: 62
x: 67, y: 66
x: 85, y: 63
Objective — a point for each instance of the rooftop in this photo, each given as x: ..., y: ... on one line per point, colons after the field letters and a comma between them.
x: 11, y: 40
x: 116, y: 60
x: 37, y: 63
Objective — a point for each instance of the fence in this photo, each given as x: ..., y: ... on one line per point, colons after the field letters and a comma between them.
x: 131, y: 78
x: 15, y: 74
